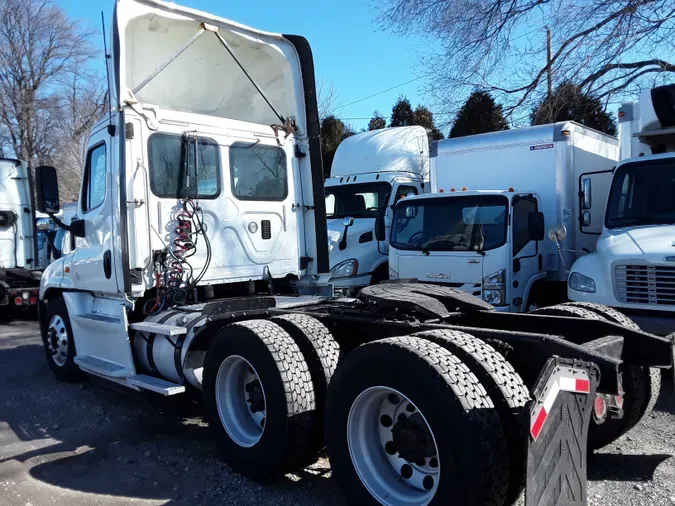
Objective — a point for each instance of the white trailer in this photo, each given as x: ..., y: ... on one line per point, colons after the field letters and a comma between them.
x: 633, y: 267
x: 19, y: 278
x: 370, y: 173
x: 201, y: 215
x: 516, y: 174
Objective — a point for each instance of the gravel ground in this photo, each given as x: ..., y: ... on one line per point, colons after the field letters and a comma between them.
x: 88, y: 443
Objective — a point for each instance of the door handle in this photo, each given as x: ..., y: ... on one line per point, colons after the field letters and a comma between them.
x: 107, y: 264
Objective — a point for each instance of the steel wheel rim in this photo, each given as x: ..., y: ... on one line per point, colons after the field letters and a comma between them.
x: 370, y: 437
x: 57, y: 340
x: 239, y: 401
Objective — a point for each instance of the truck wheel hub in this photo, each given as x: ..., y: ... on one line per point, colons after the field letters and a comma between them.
x: 57, y: 340
x: 412, y: 439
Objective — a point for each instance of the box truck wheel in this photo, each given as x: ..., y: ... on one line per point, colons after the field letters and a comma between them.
x: 420, y: 428
x: 641, y: 385
x: 506, y: 389
x: 259, y: 399
x: 57, y: 338
x: 322, y: 353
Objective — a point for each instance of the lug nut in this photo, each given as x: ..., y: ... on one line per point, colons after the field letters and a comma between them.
x: 402, y: 417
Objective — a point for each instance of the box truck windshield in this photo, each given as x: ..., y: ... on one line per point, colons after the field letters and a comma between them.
x: 365, y: 200
x: 471, y: 223
x: 641, y: 194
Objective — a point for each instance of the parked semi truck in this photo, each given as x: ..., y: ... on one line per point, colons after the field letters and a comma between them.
x: 502, y: 192
x: 201, y: 216
x: 19, y: 277
x: 633, y: 267
x: 371, y: 171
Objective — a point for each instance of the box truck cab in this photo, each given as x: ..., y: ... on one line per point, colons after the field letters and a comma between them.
x: 19, y: 278
x: 633, y: 267
x: 529, y: 170
x: 488, y: 243
x: 370, y: 172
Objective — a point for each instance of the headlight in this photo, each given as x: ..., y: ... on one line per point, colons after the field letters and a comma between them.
x: 494, y: 297
x: 494, y: 288
x: 345, y: 269
x: 581, y: 283
x: 393, y: 274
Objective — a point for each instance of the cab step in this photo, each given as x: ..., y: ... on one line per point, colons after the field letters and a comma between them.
x: 157, y: 385
x: 158, y: 328
x: 100, y: 367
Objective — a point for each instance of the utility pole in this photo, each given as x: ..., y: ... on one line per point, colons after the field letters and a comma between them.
x: 548, y: 62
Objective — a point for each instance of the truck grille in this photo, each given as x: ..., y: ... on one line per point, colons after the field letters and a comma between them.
x: 645, y: 284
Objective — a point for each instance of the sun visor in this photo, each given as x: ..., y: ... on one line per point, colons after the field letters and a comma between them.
x: 180, y: 59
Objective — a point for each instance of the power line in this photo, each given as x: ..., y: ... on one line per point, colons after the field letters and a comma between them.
x: 384, y: 91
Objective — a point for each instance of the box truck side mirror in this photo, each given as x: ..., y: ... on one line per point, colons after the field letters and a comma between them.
x: 535, y: 226
x: 47, y: 189
x: 586, y: 200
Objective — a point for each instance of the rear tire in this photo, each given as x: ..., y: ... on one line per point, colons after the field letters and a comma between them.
x: 641, y: 385
x: 273, y: 371
x: 506, y: 389
x: 58, y: 342
x: 321, y: 352
x: 459, y: 415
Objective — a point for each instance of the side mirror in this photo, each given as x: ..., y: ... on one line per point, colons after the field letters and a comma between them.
x: 586, y: 219
x: 44, y: 225
x: 535, y: 226
x: 47, y: 189
x: 348, y: 221
x: 557, y: 233
x: 380, y: 231
x: 410, y: 211
x: 586, y: 200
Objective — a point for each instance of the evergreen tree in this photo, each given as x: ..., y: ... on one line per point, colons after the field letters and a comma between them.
x: 424, y: 117
x: 333, y: 132
x: 377, y: 122
x: 401, y: 113
x: 567, y: 103
x: 479, y: 114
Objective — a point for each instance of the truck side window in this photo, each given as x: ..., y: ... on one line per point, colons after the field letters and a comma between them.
x: 94, y: 178
x: 521, y: 213
x: 169, y: 180
x: 404, y: 190
x: 258, y: 172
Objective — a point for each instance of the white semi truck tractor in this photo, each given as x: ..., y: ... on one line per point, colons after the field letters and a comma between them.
x: 633, y: 267
x: 201, y: 255
x: 19, y: 275
x: 371, y: 171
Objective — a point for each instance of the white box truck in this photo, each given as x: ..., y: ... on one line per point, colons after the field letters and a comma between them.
x: 484, y: 234
x: 370, y: 172
x: 19, y: 278
x: 633, y: 267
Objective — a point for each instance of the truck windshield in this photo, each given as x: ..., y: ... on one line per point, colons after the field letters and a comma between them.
x: 357, y: 200
x: 471, y: 223
x: 642, y: 194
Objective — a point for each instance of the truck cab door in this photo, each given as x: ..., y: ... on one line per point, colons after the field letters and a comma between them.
x: 93, y: 262
x: 593, y: 193
x: 399, y: 191
x: 527, y: 259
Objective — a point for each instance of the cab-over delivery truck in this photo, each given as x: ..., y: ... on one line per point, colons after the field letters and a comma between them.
x: 633, y: 267
x: 502, y: 192
x: 199, y: 264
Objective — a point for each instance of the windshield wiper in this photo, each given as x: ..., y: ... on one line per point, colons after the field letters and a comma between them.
x: 439, y: 241
x: 632, y: 220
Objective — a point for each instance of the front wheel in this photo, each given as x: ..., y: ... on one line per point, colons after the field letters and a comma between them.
x: 57, y: 338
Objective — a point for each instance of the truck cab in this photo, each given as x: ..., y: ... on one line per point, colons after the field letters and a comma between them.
x: 633, y: 267
x: 485, y: 242
x: 371, y: 171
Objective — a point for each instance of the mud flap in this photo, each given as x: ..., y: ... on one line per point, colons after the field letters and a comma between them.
x: 559, y: 419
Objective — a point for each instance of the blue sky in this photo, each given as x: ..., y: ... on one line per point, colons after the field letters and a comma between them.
x: 350, y: 49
